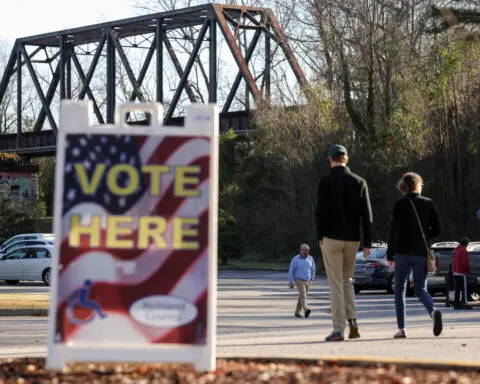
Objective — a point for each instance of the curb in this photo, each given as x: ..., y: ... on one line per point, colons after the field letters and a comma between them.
x: 23, y: 312
x: 346, y: 361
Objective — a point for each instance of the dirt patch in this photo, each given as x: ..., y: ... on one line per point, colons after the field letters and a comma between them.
x: 230, y: 371
x: 24, y: 301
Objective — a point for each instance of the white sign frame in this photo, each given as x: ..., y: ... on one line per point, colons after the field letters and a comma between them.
x: 200, y: 120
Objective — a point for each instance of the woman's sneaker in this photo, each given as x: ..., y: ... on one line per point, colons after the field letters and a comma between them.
x: 334, y: 336
x: 401, y: 334
x: 437, y: 322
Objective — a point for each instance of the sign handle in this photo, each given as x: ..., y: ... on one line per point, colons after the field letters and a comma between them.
x: 154, y: 109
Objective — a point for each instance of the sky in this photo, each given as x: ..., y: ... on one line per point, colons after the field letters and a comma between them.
x: 20, y: 18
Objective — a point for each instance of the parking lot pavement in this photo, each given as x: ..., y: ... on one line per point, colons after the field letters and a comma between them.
x: 255, y: 318
x: 24, y: 287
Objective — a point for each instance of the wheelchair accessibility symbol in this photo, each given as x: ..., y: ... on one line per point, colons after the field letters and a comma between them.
x: 79, y: 299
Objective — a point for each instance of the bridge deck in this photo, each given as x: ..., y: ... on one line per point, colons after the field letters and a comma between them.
x: 43, y: 143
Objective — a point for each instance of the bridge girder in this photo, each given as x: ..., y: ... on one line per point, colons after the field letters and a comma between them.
x: 62, y: 52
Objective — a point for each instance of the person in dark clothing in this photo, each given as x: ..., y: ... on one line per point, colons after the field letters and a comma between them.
x: 406, y: 248
x: 461, y: 269
x: 343, y: 204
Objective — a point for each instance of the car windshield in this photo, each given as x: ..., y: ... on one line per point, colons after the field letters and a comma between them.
x: 376, y: 253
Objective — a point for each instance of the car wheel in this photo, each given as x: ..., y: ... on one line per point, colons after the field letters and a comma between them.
x: 12, y: 282
x: 357, y: 289
x: 474, y: 296
x: 47, y: 276
x: 391, y: 285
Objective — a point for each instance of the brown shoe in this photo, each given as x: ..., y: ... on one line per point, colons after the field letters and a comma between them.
x: 354, y: 333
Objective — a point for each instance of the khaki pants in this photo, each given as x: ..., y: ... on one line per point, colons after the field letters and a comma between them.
x: 303, y: 286
x: 339, y: 260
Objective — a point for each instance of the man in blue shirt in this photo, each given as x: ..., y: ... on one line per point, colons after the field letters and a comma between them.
x: 302, y: 273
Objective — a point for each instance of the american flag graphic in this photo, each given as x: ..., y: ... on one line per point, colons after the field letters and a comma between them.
x: 120, y: 277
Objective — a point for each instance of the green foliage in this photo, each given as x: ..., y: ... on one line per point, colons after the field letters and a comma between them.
x: 276, y: 177
x: 19, y: 218
x: 449, y: 60
x: 230, y: 245
x: 47, y: 181
x: 402, y: 142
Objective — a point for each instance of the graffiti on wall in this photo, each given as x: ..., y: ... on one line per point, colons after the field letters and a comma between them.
x: 19, y: 186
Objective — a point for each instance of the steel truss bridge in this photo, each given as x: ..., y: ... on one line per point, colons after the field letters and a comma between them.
x: 97, y: 62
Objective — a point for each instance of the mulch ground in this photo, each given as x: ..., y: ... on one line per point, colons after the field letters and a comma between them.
x: 22, y: 371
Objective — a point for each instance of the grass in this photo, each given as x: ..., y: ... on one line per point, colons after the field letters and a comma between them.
x: 24, y: 301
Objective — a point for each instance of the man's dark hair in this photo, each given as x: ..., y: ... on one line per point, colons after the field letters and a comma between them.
x: 339, y: 157
x: 464, y: 241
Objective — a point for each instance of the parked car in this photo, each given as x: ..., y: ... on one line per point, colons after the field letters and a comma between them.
x: 27, y: 263
x: 26, y: 243
x: 27, y: 236
x: 441, y: 278
x: 374, y: 272
x: 473, y: 246
x: 437, y: 282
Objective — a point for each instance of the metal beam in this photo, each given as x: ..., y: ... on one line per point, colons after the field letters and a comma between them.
x: 93, y: 66
x: 62, y: 67
x: 19, y: 93
x: 178, y: 67
x: 159, y: 36
x: 32, y: 55
x: 238, y: 78
x: 118, y: 23
x: 237, y: 54
x: 146, y: 65
x: 126, y: 65
x: 68, y: 73
x: 49, y: 97
x: 212, y: 81
x: 188, y: 68
x: 143, y: 71
x: 36, y: 83
x: 83, y: 79
x: 111, y: 80
x: 268, y: 68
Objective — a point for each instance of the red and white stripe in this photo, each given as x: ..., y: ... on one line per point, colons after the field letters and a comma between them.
x: 157, y: 272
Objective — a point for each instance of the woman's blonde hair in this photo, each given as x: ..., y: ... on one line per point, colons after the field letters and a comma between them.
x: 409, y: 182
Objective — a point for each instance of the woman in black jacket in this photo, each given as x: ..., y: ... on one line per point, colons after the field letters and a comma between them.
x: 406, y: 248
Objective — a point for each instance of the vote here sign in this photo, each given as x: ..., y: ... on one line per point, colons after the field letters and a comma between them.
x: 135, y: 224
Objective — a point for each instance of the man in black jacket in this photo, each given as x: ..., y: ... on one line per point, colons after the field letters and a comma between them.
x: 343, y: 203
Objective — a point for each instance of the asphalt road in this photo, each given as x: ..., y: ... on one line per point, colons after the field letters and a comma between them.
x: 255, y: 318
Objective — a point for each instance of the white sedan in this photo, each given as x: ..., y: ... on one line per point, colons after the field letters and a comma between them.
x: 25, y: 243
x: 27, y: 263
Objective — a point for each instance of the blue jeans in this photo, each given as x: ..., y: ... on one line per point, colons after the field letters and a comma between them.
x: 403, y: 265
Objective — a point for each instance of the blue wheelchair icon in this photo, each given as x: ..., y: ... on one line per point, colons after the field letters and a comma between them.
x: 80, y: 299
